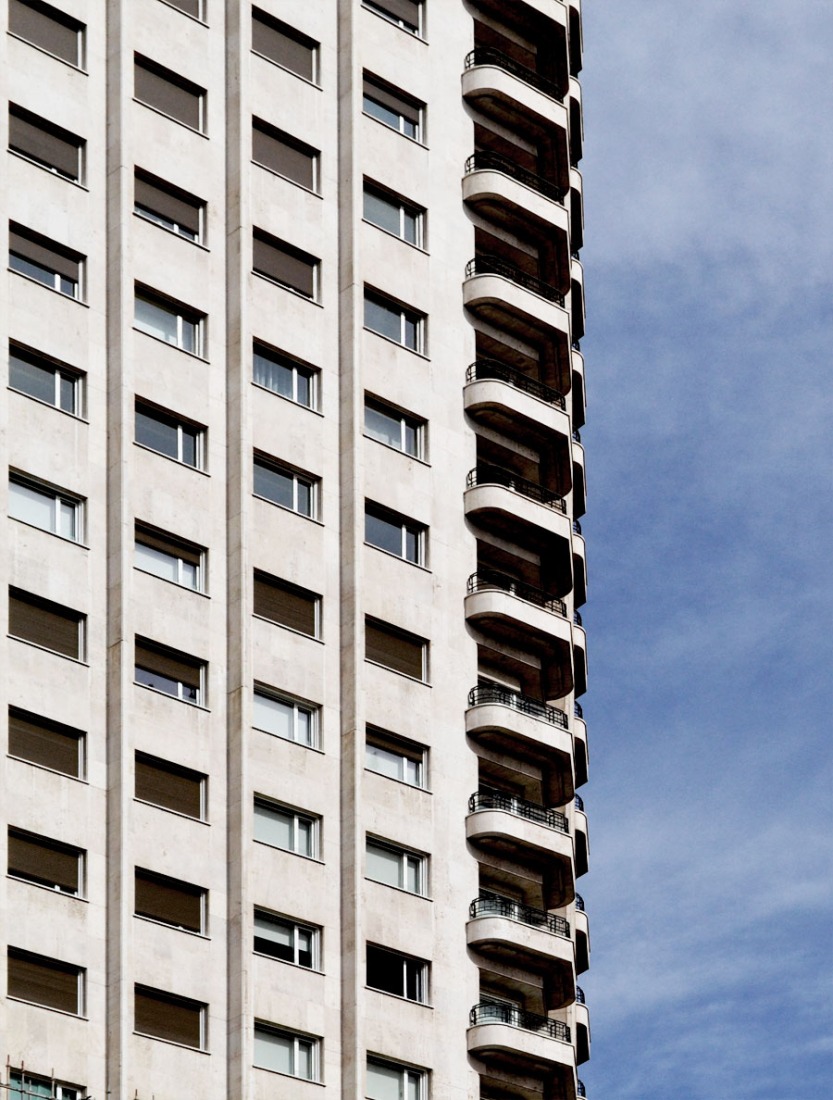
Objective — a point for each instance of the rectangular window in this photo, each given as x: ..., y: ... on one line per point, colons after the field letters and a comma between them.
x: 285, y: 376
x: 285, y: 1052
x: 45, y: 380
x: 25, y: 1086
x: 285, y: 487
x: 406, y: 14
x: 45, y: 144
x: 162, y: 203
x: 49, y: 29
x: 168, y: 557
x: 170, y: 787
x: 166, y: 1016
x: 46, y: 982
x: 170, y: 93
x: 392, y: 1081
x: 168, y: 435
x: 285, y: 155
x: 394, y: 533
x: 46, y: 743
x: 170, y: 901
x: 286, y: 939
x: 284, y: 45
x: 394, y: 866
x: 392, y: 107
x: 169, y: 321
x: 281, y: 827
x: 396, y: 649
x: 169, y: 671
x: 286, y: 265
x: 397, y: 322
x: 46, y: 507
x: 387, y: 211
x: 46, y: 624
x: 46, y: 862
x: 399, y: 974
x: 287, y: 604
x: 38, y: 258
x: 194, y: 8
x: 286, y: 718
x: 394, y: 757
x: 393, y: 428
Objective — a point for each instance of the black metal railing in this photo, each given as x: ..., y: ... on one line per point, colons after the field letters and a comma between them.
x: 485, y: 369
x: 580, y: 1089
x: 488, y: 1013
x: 491, y: 693
x: 576, y: 345
x: 577, y: 618
x: 576, y: 526
x: 487, y: 474
x: 576, y: 435
x: 579, y: 803
x: 577, y: 711
x: 518, y: 807
x: 579, y: 903
x: 494, y: 265
x: 493, y: 905
x: 488, y: 55
x: 485, y: 160
x: 485, y: 579
x: 580, y: 998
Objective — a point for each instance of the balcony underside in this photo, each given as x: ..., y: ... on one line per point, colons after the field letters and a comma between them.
x: 507, y: 305
x: 513, y: 1049
x: 516, y: 518
x: 504, y: 837
x: 532, y: 949
x: 511, y: 412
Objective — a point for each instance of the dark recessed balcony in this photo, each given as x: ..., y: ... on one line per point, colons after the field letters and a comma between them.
x: 494, y: 265
x: 519, y: 807
x: 488, y: 55
x: 493, y: 905
x: 515, y: 301
x: 507, y: 1036
x: 487, y: 161
x: 488, y: 580
x: 488, y: 370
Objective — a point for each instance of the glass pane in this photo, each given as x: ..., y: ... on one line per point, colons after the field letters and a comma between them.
x: 32, y: 269
x: 383, y: 319
x: 411, y: 441
x: 305, y: 944
x: 384, y: 865
x: 189, y: 575
x: 409, y: 227
x: 305, y: 838
x: 157, y: 435
x: 273, y: 716
x: 273, y: 1051
x: 414, y: 1082
x: 303, y: 726
x: 384, y: 114
x: 274, y: 485
x: 68, y: 514
x: 381, y: 426
x: 188, y: 442
x: 304, y: 1066
x: 304, y: 388
x: 384, y: 534
x: 157, y: 562
x: 33, y: 379
x: 274, y: 937
x: 413, y: 875
x: 382, y: 212
x: 384, y: 762
x: 383, y: 1082
x: 189, y: 336
x: 161, y: 683
x: 156, y: 320
x: 304, y: 498
x: 410, y: 335
x: 409, y: 127
x: 411, y: 545
x: 68, y: 395
x: 274, y: 376
x: 274, y: 827
x: 32, y: 506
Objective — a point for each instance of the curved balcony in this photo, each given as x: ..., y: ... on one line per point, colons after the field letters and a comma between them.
x: 581, y: 838
x: 527, y: 729
x: 509, y: 298
x: 512, y: 403
x: 511, y: 1038
x: 580, y: 1089
x: 506, y: 930
x: 582, y: 1019
x: 581, y: 934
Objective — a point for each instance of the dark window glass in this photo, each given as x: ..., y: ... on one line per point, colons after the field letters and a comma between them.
x: 283, y: 375
x: 45, y: 982
x: 395, y: 649
x: 286, y: 604
x: 393, y: 108
x: 196, y: 8
x: 395, y: 973
x: 46, y: 624
x: 23, y: 1086
x: 50, y: 744
x: 393, y: 214
x: 170, y: 93
x: 284, y: 45
x: 393, y: 428
x: 168, y: 206
x: 285, y: 264
x: 164, y: 433
x: 169, y: 671
x: 170, y: 786
x: 166, y: 1016
x: 45, y: 26
x: 168, y: 557
x: 167, y: 320
x: 286, y: 487
x: 169, y: 901
x: 284, y: 154
x: 285, y: 939
x: 45, y: 380
x: 49, y: 263
x: 46, y: 862
x: 393, y: 533
x: 47, y: 145
x: 404, y: 13
x: 396, y: 322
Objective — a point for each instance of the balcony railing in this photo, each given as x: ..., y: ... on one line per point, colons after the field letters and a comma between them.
x: 485, y: 160
x: 577, y: 618
x: 488, y: 369
x: 577, y: 711
x: 579, y: 802
x: 488, y: 55
x: 580, y: 998
x: 492, y: 905
x: 580, y: 1089
x: 497, y: 475
x: 519, y: 807
x: 494, y: 265
x: 485, y: 580
x: 576, y: 345
x: 579, y: 903
x: 576, y: 526
x: 491, y: 693
x: 488, y: 1013
x: 576, y: 435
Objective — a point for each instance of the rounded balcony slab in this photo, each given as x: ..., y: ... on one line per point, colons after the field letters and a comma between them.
x: 515, y: 1047
x: 505, y: 95
x: 508, y: 305
x: 502, y: 405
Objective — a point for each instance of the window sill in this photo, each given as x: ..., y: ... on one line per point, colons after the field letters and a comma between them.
x: 173, y: 927
x: 416, y: 247
x: 49, y: 405
x: 185, y: 126
x: 176, y: 584
x: 289, y: 289
x: 55, y: 56
x: 50, y: 289
x: 396, y: 672
x: 288, y: 1076
x: 54, y: 652
x: 283, y: 68
x: 396, y: 344
x: 48, y: 1008
x: 171, y: 233
x: 172, y: 1043
x: 287, y: 851
x: 167, y: 809
x: 173, y: 698
x: 399, y: 890
x: 280, y: 175
x: 186, y: 465
x: 286, y: 962
x: 398, y: 997
x: 168, y: 344
x: 46, y: 768
x: 291, y: 630
x: 397, y: 450
x: 397, y: 557
x: 49, y: 889
x: 284, y: 508
x: 292, y: 401
x: 50, y: 171
x: 53, y: 534
x: 414, y: 141
x: 402, y: 783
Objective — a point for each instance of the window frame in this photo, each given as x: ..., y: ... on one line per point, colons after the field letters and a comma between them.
x: 161, y: 996
x: 314, y: 599
x: 161, y: 765
x: 168, y: 881
x: 59, y: 1090
x: 404, y: 207
x: 281, y: 137
x: 178, y: 195
x: 48, y: 843
x: 278, y: 27
x: 182, y: 425
x: 297, y: 928
x: 415, y: 972
x: 54, y: 965
x: 140, y: 61
x: 419, y: 862
x: 70, y: 286
x: 53, y: 727
x: 406, y: 423
x: 298, y: 1037
x: 385, y: 628
x: 408, y: 751
x: 182, y: 314
x: 297, y: 706
x: 402, y: 103
x: 407, y: 316
x: 408, y: 529
x: 59, y: 500
x: 298, y: 818
x: 57, y: 133
x: 296, y: 368
x: 277, y: 245
x: 62, y: 18
x: 200, y: 18
x: 147, y: 645
x: 378, y: 8
x: 298, y: 477
x: 174, y: 542
x: 62, y: 374
x: 68, y: 614
x: 409, y: 1075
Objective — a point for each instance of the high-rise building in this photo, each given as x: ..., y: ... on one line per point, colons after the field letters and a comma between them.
x: 292, y: 562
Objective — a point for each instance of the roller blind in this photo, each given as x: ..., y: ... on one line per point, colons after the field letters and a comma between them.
x: 166, y: 785
x: 169, y: 93
x: 167, y: 662
x: 392, y: 100
x: 44, y: 143
x: 166, y: 1017
x: 191, y: 7
x: 285, y: 264
x: 38, y: 860
x: 406, y: 10
x: 169, y: 901
x: 45, y: 27
x: 283, y: 45
x: 169, y: 202
x: 284, y: 155
x: 41, y: 251
x: 286, y: 604
x: 51, y: 746
x: 44, y: 981
x: 45, y: 624
x: 394, y: 649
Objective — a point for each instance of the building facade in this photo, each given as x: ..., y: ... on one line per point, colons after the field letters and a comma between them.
x: 291, y: 561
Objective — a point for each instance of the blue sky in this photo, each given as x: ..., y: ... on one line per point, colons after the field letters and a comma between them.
x: 709, y: 226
